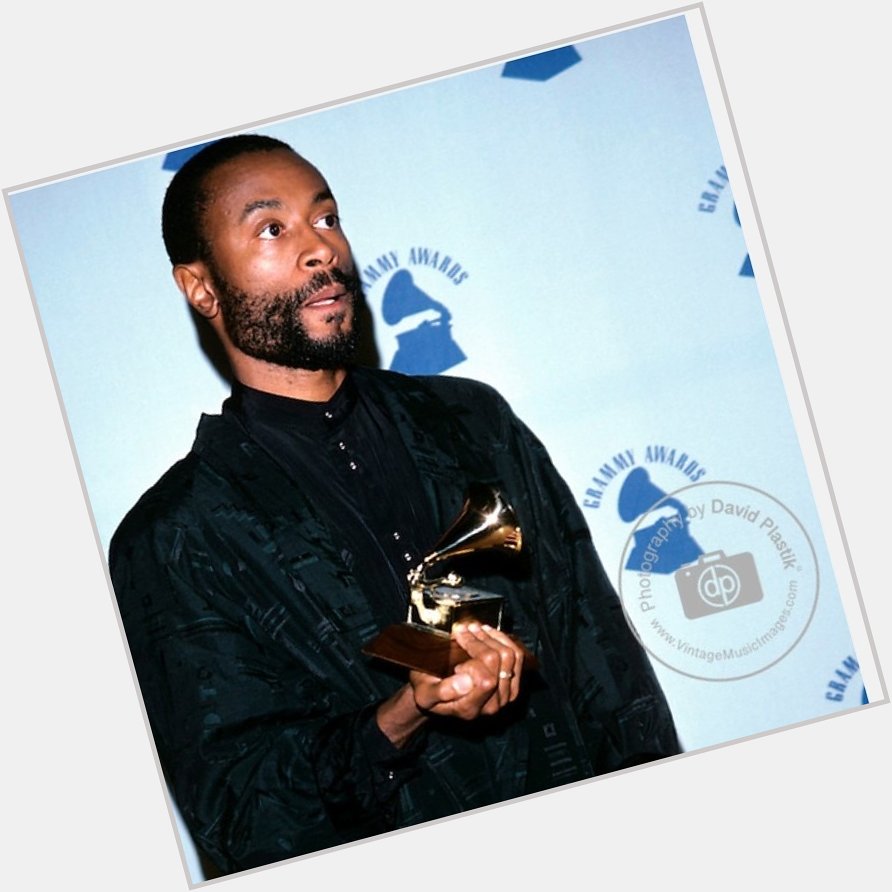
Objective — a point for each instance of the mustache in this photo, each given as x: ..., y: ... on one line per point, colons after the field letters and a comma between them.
x: 335, y: 276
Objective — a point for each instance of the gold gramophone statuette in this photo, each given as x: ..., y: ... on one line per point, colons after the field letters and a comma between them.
x: 486, y: 522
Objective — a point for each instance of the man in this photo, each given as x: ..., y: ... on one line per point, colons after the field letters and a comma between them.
x: 252, y: 574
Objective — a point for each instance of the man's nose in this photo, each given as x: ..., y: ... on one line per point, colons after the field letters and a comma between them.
x: 317, y: 252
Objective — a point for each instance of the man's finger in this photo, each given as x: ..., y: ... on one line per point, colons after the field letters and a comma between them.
x: 499, y: 655
x: 513, y: 671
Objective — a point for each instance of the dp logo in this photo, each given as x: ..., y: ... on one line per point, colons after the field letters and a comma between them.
x: 717, y: 582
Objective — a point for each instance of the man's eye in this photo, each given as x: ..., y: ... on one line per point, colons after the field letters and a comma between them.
x: 328, y: 221
x: 271, y: 230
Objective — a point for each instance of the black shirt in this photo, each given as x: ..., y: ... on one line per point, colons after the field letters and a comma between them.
x: 351, y: 457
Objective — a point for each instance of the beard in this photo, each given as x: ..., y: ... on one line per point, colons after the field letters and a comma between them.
x: 268, y: 326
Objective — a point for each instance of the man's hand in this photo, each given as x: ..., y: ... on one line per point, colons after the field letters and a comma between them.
x: 482, y: 685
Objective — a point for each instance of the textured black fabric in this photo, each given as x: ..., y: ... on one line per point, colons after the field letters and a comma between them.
x: 246, y: 621
x: 349, y: 458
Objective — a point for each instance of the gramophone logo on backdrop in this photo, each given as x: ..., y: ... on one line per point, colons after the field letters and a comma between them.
x: 410, y: 284
x: 718, y: 580
x: 709, y: 201
x: 637, y: 493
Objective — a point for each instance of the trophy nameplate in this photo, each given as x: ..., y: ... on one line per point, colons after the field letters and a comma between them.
x: 425, y: 641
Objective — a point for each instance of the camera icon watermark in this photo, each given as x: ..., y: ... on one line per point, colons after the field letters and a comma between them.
x: 742, y: 604
x: 717, y: 582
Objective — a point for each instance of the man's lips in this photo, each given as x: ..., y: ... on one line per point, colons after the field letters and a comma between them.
x: 325, y: 297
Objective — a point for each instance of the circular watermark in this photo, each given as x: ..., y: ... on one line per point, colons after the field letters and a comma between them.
x: 719, y: 580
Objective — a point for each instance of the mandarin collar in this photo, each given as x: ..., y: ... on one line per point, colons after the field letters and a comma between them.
x: 260, y: 407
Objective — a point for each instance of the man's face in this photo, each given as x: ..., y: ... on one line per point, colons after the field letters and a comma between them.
x: 281, y: 266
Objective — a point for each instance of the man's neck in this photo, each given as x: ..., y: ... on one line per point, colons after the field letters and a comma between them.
x: 315, y: 386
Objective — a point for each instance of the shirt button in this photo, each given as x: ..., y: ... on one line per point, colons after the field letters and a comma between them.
x: 396, y: 536
x: 342, y: 445
x: 407, y: 556
x: 353, y: 466
x: 328, y: 415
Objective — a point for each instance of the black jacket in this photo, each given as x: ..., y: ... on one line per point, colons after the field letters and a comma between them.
x: 246, y: 626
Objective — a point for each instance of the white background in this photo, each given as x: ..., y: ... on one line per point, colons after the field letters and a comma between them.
x: 807, y: 94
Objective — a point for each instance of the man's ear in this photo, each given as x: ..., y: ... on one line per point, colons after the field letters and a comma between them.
x: 193, y: 280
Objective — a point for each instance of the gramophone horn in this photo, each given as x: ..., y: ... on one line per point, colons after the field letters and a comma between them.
x: 403, y: 298
x: 638, y: 495
x: 486, y: 521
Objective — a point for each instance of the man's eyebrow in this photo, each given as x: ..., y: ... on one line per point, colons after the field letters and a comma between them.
x: 274, y: 203
x: 259, y: 204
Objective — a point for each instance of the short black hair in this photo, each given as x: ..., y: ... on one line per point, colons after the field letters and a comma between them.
x: 186, y: 198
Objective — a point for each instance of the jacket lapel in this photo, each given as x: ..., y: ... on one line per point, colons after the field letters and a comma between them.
x: 429, y: 436
x: 320, y: 595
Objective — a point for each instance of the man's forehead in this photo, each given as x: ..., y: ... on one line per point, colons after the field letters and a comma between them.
x: 260, y: 177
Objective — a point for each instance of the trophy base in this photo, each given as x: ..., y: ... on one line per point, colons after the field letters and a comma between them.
x: 417, y: 647
x: 424, y: 649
